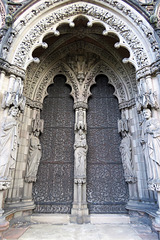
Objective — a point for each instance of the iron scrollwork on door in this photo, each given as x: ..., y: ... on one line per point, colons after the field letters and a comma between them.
x: 53, y: 191
x: 106, y: 188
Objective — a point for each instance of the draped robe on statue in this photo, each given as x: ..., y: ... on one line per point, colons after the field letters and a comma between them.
x: 151, y: 147
x: 8, y: 146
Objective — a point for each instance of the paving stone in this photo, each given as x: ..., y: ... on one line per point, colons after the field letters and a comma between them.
x: 80, y: 232
x: 14, y: 233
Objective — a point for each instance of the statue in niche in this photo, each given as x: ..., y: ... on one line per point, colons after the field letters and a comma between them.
x: 80, y: 119
x: 145, y: 98
x: 9, y: 143
x: 151, y: 145
x: 80, y: 154
x: 34, y: 154
x: 126, y: 151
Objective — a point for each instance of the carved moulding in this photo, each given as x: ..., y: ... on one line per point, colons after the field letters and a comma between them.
x: 94, y: 14
x: 12, y: 69
x: 2, y: 13
x: 33, y: 104
x: 148, y: 70
x: 4, y: 184
x: 127, y: 104
x: 58, y: 68
x: 126, y: 72
x: 122, y: 8
x: 114, y: 80
x: 79, y: 95
x: 92, y: 10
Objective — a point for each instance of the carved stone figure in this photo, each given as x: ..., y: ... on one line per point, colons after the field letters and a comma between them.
x: 80, y: 119
x: 15, y: 96
x: 9, y: 143
x: 126, y: 154
x: 80, y: 153
x: 146, y: 97
x: 34, y: 154
x: 151, y: 146
x: 126, y: 150
x: 33, y: 158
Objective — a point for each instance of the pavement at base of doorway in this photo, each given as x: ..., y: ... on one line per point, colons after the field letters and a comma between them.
x: 30, y: 231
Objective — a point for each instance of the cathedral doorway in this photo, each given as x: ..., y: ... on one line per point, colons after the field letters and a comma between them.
x: 107, y: 191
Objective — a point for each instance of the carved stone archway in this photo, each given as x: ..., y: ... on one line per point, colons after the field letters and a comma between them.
x: 81, y: 40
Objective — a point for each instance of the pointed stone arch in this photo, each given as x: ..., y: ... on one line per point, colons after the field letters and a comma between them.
x: 128, y: 74
x: 108, y: 14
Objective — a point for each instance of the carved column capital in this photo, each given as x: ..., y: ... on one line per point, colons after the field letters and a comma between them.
x: 78, y: 105
x: 33, y: 104
x: 80, y: 181
x: 149, y: 70
x: 154, y: 185
x: 12, y: 69
x: 14, y: 95
x: 4, y: 184
x: 146, y: 97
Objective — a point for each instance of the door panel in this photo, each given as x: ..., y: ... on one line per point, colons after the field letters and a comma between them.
x: 107, y: 191
x: 53, y: 191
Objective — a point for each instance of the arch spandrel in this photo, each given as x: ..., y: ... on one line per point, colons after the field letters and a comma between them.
x: 118, y: 18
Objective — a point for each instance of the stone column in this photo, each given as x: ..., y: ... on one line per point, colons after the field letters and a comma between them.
x: 79, y: 212
x: 4, y: 184
x: 156, y: 222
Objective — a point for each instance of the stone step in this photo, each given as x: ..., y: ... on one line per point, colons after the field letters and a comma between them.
x: 94, y: 218
x: 50, y: 218
x: 109, y: 218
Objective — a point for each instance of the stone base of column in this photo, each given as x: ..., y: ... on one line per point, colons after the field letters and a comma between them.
x: 79, y: 215
x: 156, y: 225
x: 4, y: 225
x: 22, y: 205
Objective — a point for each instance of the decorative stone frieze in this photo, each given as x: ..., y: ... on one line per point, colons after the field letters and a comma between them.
x: 81, y: 63
x: 127, y: 104
x: 2, y: 13
x: 112, y: 23
x: 148, y: 70
x: 123, y: 8
x: 11, y: 69
x: 4, y: 183
x: 34, y: 104
x: 80, y: 105
x: 107, y: 65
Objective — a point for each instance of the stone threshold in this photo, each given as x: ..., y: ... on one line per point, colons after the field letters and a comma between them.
x: 65, y: 218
